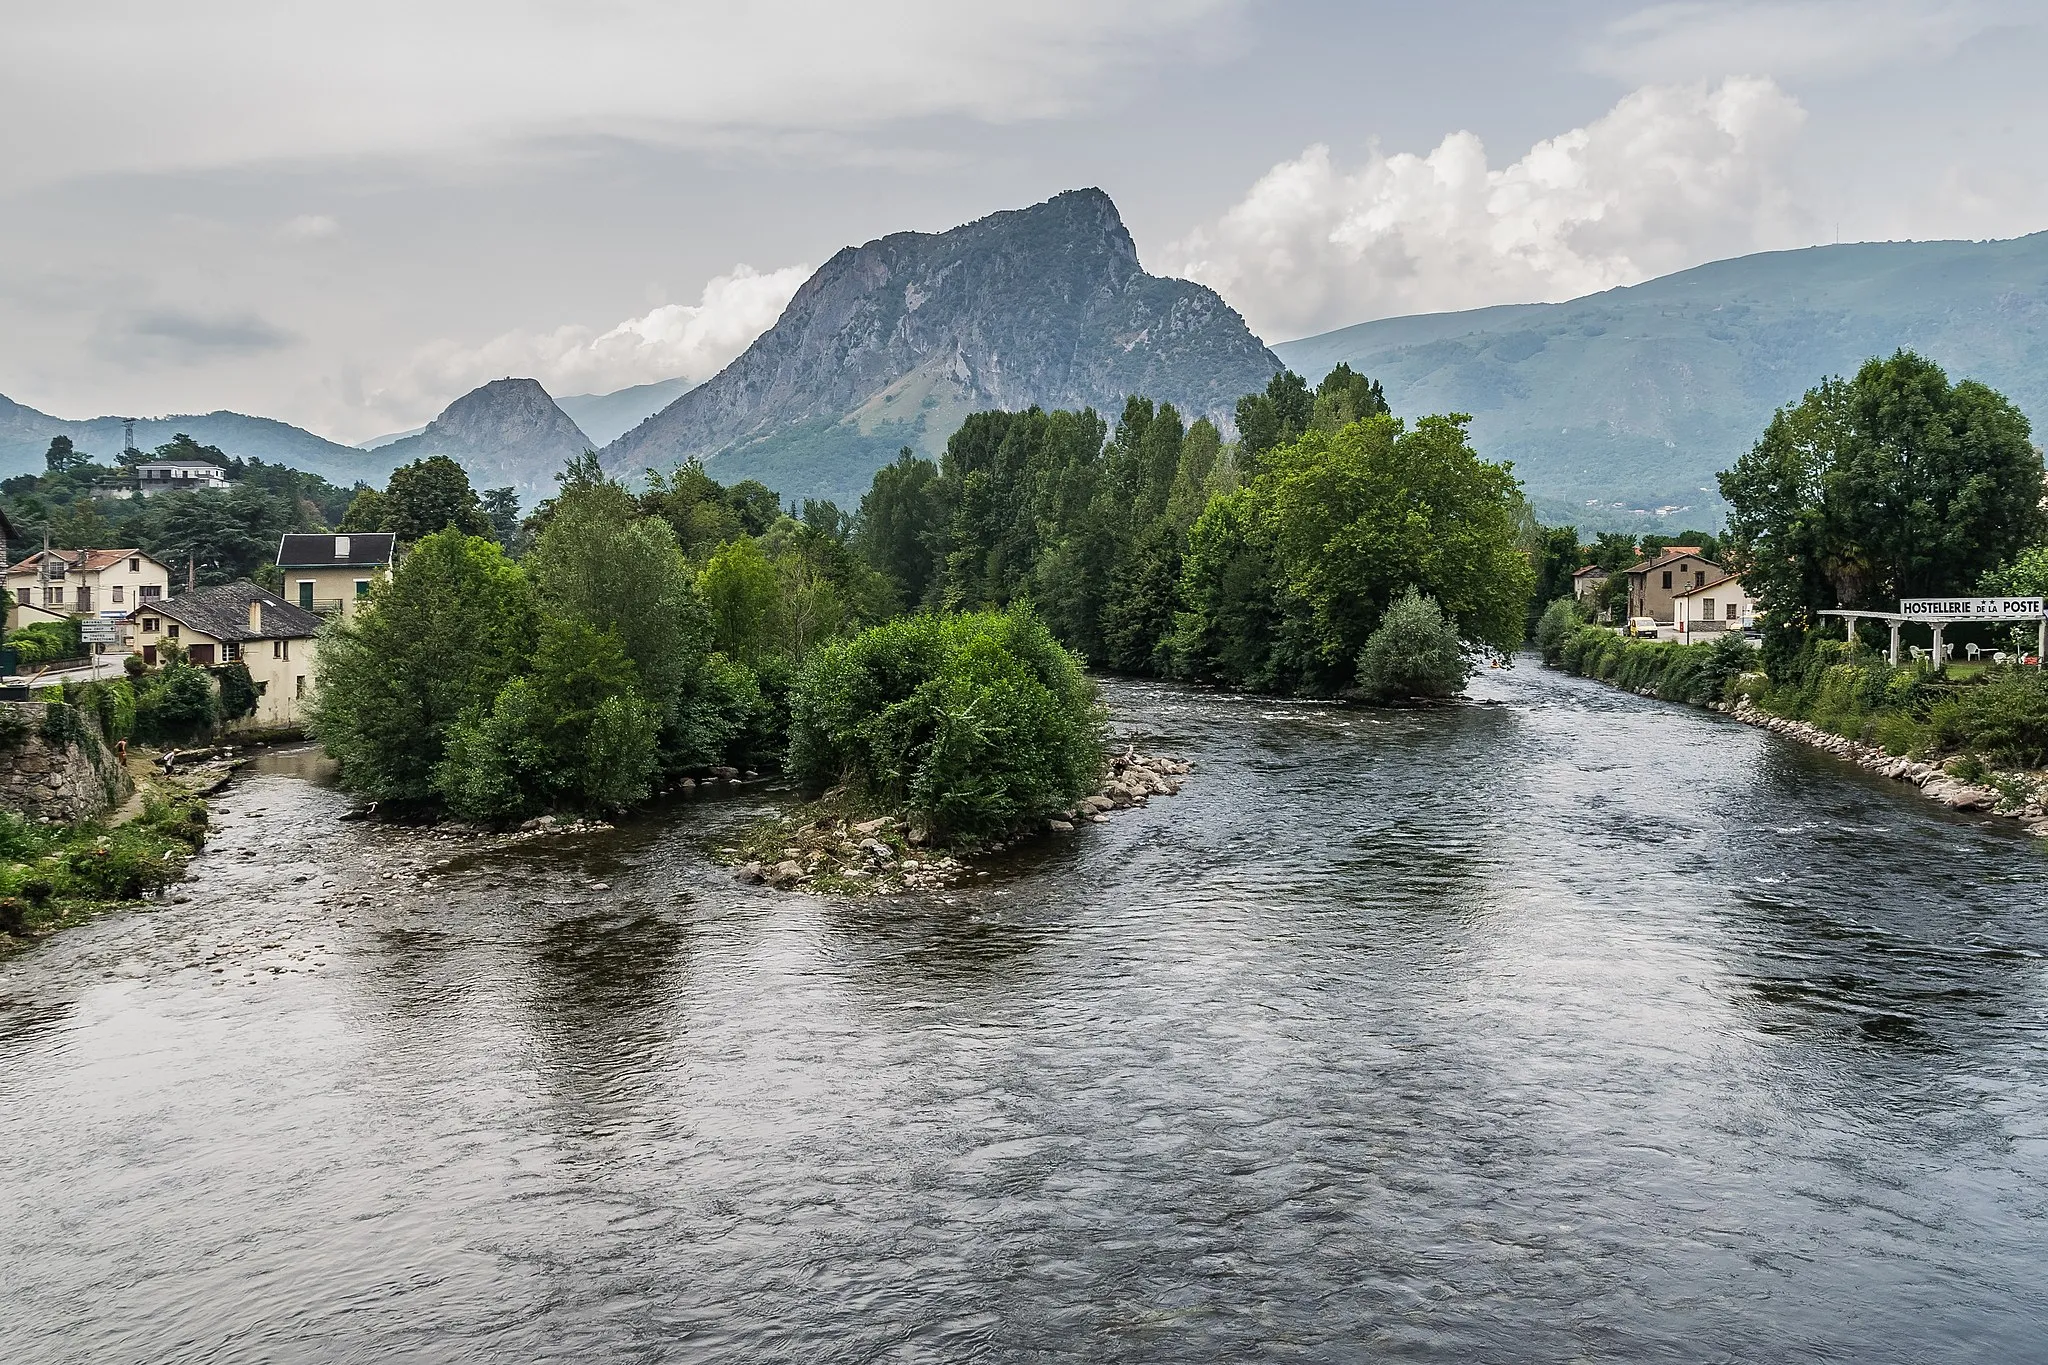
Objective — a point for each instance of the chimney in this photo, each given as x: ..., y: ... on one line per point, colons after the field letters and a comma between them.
x: 255, y: 616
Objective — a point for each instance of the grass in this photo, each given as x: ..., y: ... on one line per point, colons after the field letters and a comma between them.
x: 54, y: 876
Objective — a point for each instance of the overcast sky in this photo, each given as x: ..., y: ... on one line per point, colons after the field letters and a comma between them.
x: 346, y: 215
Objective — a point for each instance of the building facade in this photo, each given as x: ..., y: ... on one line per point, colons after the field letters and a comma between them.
x: 59, y: 583
x: 331, y: 574
x: 239, y: 623
x: 1713, y: 608
x: 178, y: 476
x: 1653, y: 583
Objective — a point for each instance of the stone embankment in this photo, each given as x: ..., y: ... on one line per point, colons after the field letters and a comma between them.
x: 1935, y: 783
x: 885, y: 855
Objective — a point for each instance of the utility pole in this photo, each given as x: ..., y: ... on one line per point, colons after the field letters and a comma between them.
x: 191, y: 571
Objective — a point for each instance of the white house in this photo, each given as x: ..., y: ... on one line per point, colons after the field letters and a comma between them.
x: 1714, y: 607
x: 178, y: 476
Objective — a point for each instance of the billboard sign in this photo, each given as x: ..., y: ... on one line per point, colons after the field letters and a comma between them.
x: 1971, y: 608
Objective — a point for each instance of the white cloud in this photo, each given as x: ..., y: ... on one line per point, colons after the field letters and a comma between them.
x: 1685, y: 41
x: 310, y: 227
x: 1670, y: 177
x: 691, y: 341
x: 260, y: 81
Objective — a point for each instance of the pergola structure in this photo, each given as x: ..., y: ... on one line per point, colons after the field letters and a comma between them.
x: 1939, y: 614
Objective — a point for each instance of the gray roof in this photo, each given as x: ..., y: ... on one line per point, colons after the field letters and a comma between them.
x: 366, y: 550
x: 223, y: 613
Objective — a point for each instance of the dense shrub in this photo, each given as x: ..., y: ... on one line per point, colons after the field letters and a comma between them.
x: 1413, y: 652
x: 2004, y: 719
x: 1662, y: 668
x: 176, y: 704
x: 1555, y: 627
x: 237, y: 692
x: 971, y: 724
x: 45, y: 642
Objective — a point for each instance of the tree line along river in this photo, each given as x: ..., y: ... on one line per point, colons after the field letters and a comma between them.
x: 1555, y: 1025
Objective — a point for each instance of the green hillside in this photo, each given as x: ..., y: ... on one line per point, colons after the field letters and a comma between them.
x: 1618, y: 404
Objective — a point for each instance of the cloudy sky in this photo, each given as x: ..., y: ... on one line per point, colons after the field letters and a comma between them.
x: 345, y: 215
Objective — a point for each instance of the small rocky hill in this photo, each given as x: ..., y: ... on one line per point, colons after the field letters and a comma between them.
x: 509, y: 432
x: 895, y: 342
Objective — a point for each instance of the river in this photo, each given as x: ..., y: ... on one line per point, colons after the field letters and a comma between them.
x: 1559, y: 1025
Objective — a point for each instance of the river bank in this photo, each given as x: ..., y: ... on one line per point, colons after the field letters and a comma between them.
x: 2015, y: 795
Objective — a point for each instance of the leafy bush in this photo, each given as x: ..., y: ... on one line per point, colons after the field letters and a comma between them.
x: 2004, y: 718
x: 176, y: 704
x: 1414, y: 652
x: 971, y: 724
x: 237, y: 692
x: 45, y: 642
x: 1554, y: 628
x: 576, y: 733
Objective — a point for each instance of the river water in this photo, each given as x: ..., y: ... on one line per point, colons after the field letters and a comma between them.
x: 1560, y: 1025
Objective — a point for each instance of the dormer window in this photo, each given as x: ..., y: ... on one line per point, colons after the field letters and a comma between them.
x: 341, y: 547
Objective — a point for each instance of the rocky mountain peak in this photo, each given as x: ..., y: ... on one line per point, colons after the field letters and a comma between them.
x: 895, y: 341
x: 508, y: 431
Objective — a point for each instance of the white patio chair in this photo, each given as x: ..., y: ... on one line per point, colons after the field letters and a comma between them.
x: 1974, y: 651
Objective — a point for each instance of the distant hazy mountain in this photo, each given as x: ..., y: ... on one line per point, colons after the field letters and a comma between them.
x: 379, y: 442
x: 25, y: 435
x: 507, y: 432
x: 1621, y: 403
x: 605, y: 417
x: 894, y: 342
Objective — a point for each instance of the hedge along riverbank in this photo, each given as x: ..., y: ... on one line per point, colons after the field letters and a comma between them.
x: 1975, y: 745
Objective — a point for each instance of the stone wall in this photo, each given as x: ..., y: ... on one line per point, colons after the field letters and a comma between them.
x: 54, y: 764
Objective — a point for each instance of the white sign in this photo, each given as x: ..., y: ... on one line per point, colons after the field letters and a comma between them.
x: 1971, y: 608
x: 98, y: 632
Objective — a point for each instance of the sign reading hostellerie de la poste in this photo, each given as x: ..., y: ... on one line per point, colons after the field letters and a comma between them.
x: 1972, y: 608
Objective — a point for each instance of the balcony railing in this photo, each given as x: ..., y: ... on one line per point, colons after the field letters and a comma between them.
x: 322, y: 606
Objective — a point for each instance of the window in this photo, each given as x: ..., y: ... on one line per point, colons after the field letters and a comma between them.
x: 150, y: 592
x: 150, y: 625
x: 1707, y: 610
x: 362, y: 588
x: 1699, y: 578
x: 53, y: 597
x: 302, y: 686
x: 1667, y: 578
x: 341, y: 547
x: 27, y: 596
x: 229, y: 652
x: 306, y: 593
x: 1734, y: 612
x: 134, y: 566
x: 173, y: 631
x: 280, y: 649
x: 117, y: 594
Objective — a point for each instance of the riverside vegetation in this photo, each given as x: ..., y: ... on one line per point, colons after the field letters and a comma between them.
x: 1895, y: 483
x: 922, y: 660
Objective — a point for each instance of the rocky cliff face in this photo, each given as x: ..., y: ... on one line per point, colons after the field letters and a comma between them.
x: 507, y: 432
x: 894, y: 342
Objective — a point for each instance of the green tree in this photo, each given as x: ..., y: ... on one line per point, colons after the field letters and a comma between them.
x: 368, y: 511
x: 901, y: 519
x: 1274, y: 417
x: 574, y: 733
x: 501, y: 509
x: 1413, y: 652
x: 1287, y: 578
x: 743, y: 594
x: 1346, y: 396
x: 452, y: 624
x: 62, y: 457
x: 226, y: 533
x: 974, y: 724
x: 430, y: 495
x: 1892, y: 484
x: 601, y: 562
